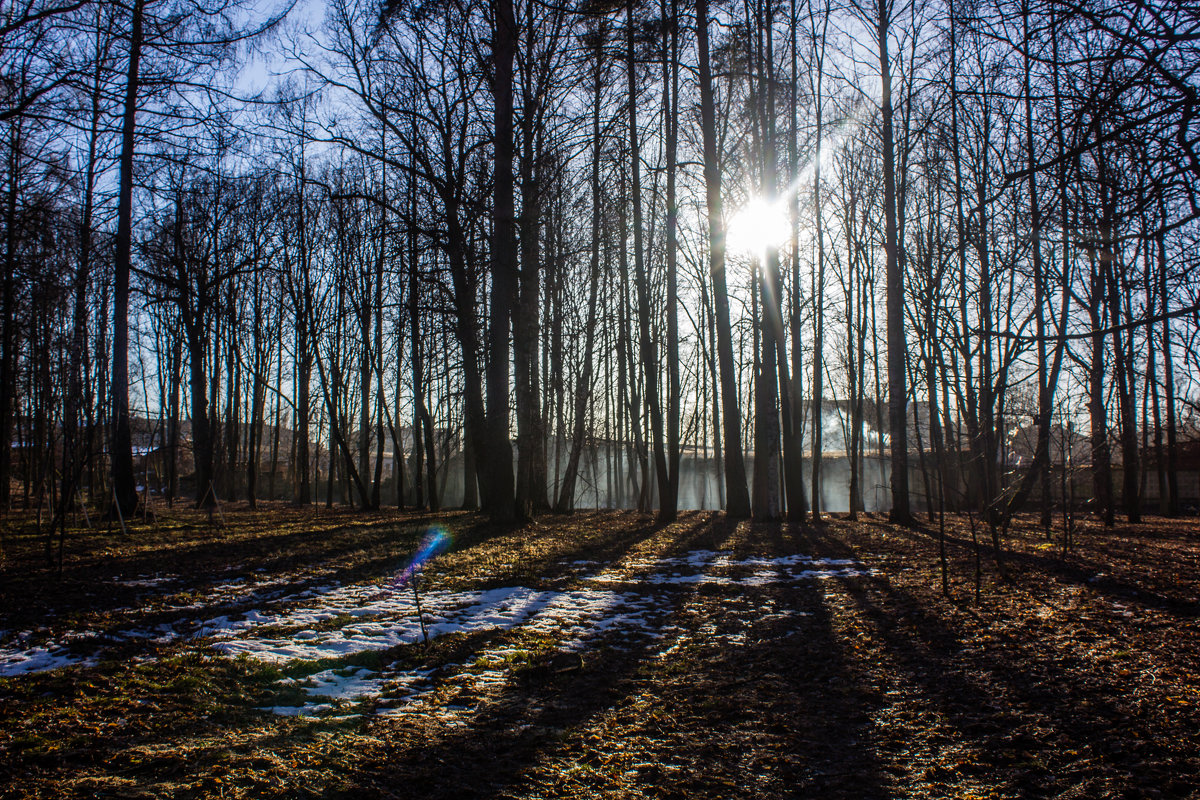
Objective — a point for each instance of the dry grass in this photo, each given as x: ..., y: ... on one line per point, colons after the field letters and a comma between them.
x: 1077, y: 676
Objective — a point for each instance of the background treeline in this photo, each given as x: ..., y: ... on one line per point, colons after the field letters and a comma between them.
x: 963, y: 273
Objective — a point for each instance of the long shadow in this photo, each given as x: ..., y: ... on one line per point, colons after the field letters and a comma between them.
x: 788, y: 695
x: 162, y: 709
x: 686, y: 531
x: 378, y: 550
x: 787, y: 709
x: 1000, y: 699
x: 560, y: 694
x: 538, y: 708
x: 989, y: 693
x: 503, y: 738
x: 202, y: 560
x: 375, y: 549
x: 88, y: 582
x: 779, y: 713
x: 1076, y: 569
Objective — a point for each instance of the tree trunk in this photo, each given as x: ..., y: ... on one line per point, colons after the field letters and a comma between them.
x: 498, y: 488
x: 583, y: 391
x: 8, y: 334
x: 121, y: 447
x: 531, y: 439
x: 202, y: 450
x: 1045, y: 408
x: 1122, y: 358
x: 669, y: 502
x: 1101, y: 466
x: 737, y: 498
x: 1172, y: 507
x: 818, y: 366
x: 896, y: 344
x: 646, y: 342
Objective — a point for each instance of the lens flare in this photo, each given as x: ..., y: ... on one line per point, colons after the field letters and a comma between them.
x: 437, y: 540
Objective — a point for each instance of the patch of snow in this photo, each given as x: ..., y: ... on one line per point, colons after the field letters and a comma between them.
x: 38, y: 659
x: 573, y: 613
x: 341, y: 684
x: 760, y: 578
x: 306, y: 710
x: 575, y: 617
x: 146, y: 581
x: 329, y: 621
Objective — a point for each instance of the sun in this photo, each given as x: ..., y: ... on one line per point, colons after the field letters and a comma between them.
x: 758, y: 225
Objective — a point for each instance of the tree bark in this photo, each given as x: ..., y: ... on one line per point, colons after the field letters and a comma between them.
x: 896, y: 344
x: 669, y: 503
x: 498, y: 488
x: 583, y: 390
x: 737, y: 498
x: 125, y: 495
x: 647, y: 346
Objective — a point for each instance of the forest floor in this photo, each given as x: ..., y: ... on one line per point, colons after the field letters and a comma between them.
x: 598, y: 655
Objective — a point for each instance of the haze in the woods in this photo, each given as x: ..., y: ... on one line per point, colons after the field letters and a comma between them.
x: 782, y: 257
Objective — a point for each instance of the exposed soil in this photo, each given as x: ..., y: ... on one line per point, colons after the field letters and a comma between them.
x: 1076, y: 674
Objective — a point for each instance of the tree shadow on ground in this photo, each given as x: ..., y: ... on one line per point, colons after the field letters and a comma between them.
x: 730, y: 703
x: 1081, y: 567
x: 1041, y: 710
x: 496, y: 743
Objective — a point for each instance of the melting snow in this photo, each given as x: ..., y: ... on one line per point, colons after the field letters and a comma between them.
x: 574, y: 613
x: 37, y: 659
x: 328, y: 621
x: 145, y: 581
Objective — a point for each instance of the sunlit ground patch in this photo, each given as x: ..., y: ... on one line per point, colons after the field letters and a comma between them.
x: 39, y: 658
x: 326, y: 622
x: 242, y: 599
x: 721, y: 568
x: 575, y: 619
